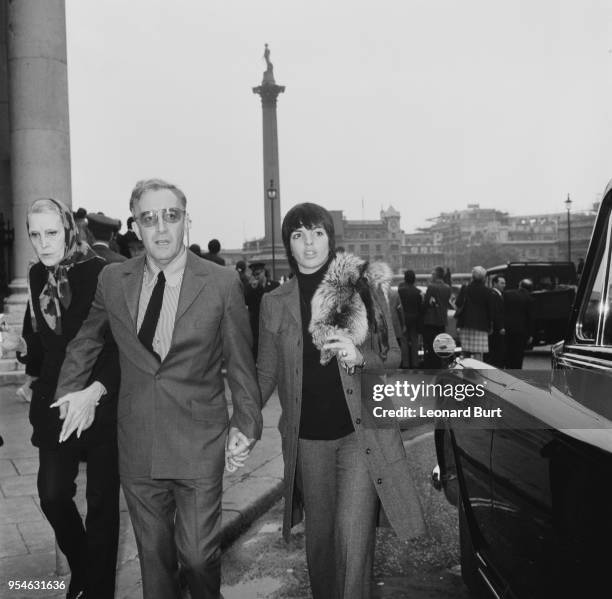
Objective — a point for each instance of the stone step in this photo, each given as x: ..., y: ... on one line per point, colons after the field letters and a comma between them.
x: 15, y: 378
x: 10, y: 364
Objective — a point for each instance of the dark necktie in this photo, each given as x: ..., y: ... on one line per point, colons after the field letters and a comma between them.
x: 149, y: 322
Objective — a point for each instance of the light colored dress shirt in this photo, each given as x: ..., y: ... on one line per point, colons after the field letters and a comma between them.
x: 165, y: 325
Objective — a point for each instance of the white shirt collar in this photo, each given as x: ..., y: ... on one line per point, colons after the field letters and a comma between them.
x: 172, y: 271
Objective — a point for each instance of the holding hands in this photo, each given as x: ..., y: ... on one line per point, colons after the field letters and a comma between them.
x: 237, y: 449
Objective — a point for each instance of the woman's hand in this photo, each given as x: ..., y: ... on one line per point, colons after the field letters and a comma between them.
x: 78, y: 409
x: 346, y: 351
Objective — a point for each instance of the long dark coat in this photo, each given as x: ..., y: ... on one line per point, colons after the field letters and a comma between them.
x: 46, y: 353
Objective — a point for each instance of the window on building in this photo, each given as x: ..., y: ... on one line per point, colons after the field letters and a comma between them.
x: 364, y: 248
x: 351, y: 248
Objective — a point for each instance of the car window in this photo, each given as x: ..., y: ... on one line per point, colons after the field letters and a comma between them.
x: 594, y: 324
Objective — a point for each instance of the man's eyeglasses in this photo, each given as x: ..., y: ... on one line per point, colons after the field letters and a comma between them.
x: 150, y: 218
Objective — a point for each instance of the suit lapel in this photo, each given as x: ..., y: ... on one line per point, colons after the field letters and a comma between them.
x: 194, y: 279
x: 132, y: 284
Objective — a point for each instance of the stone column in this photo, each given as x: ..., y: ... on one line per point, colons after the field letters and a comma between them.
x: 269, y: 91
x: 5, y: 139
x: 38, y: 101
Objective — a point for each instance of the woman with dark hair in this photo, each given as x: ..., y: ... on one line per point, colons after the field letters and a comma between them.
x: 318, y: 333
x: 62, y: 285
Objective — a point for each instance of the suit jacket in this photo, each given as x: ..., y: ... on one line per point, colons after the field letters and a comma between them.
x: 436, y: 304
x: 412, y: 304
x: 46, y: 352
x: 518, y: 312
x: 280, y: 363
x: 172, y: 416
x: 107, y: 253
x: 497, y: 310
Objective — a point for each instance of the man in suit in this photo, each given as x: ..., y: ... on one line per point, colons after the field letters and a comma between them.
x: 518, y: 315
x: 497, y: 336
x: 214, y: 247
x: 103, y: 229
x: 435, y: 315
x: 412, y: 303
x: 259, y: 284
x: 176, y: 319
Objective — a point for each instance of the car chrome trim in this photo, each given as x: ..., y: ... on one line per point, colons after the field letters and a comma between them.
x: 588, y: 361
x: 488, y: 582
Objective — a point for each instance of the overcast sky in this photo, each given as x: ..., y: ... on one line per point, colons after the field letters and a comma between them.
x: 427, y: 105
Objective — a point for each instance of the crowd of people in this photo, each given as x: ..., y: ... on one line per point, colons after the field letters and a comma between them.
x: 492, y: 324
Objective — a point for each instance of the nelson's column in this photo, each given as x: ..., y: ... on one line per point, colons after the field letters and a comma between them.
x: 271, y: 249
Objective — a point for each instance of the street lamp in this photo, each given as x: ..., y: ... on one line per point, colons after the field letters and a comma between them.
x: 568, y: 205
x: 271, y: 193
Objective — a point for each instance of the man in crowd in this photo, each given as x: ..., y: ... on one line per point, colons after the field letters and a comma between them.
x: 176, y: 319
x: 214, y: 247
x: 103, y: 230
x: 412, y: 303
x: 497, y: 336
x: 518, y: 316
x: 244, y: 278
x: 258, y: 285
x: 435, y: 314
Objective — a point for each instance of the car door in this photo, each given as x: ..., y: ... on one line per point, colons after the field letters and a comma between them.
x: 550, y: 458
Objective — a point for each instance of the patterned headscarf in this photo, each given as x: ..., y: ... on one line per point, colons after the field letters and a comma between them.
x: 57, y: 290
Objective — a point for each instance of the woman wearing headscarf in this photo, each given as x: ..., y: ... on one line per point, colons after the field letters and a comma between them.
x: 318, y: 333
x: 62, y: 285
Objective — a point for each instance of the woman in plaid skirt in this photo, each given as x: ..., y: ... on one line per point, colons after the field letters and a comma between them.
x: 475, y: 315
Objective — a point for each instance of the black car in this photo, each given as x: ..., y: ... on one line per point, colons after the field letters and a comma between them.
x: 534, y: 488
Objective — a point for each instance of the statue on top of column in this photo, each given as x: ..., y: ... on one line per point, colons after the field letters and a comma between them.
x: 270, y: 66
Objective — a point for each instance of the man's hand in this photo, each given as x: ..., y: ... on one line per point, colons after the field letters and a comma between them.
x: 78, y: 409
x: 237, y: 449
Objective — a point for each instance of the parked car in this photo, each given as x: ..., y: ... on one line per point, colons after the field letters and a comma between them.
x: 534, y: 489
x: 554, y: 290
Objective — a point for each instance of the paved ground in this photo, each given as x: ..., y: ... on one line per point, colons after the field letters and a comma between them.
x: 27, y: 548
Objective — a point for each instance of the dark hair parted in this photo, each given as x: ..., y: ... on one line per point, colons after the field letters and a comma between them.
x: 309, y: 216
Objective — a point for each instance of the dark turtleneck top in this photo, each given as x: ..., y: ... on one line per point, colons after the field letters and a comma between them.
x: 324, y: 415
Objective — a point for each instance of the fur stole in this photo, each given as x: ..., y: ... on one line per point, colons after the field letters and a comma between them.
x: 348, y: 301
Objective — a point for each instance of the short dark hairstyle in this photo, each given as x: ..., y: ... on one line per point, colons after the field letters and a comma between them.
x: 100, y: 233
x: 309, y: 216
x: 195, y: 248
x: 409, y: 276
x: 496, y: 278
x: 438, y: 272
x: 214, y: 247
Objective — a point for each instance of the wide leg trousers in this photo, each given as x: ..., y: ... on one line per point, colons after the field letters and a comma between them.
x: 340, y: 504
